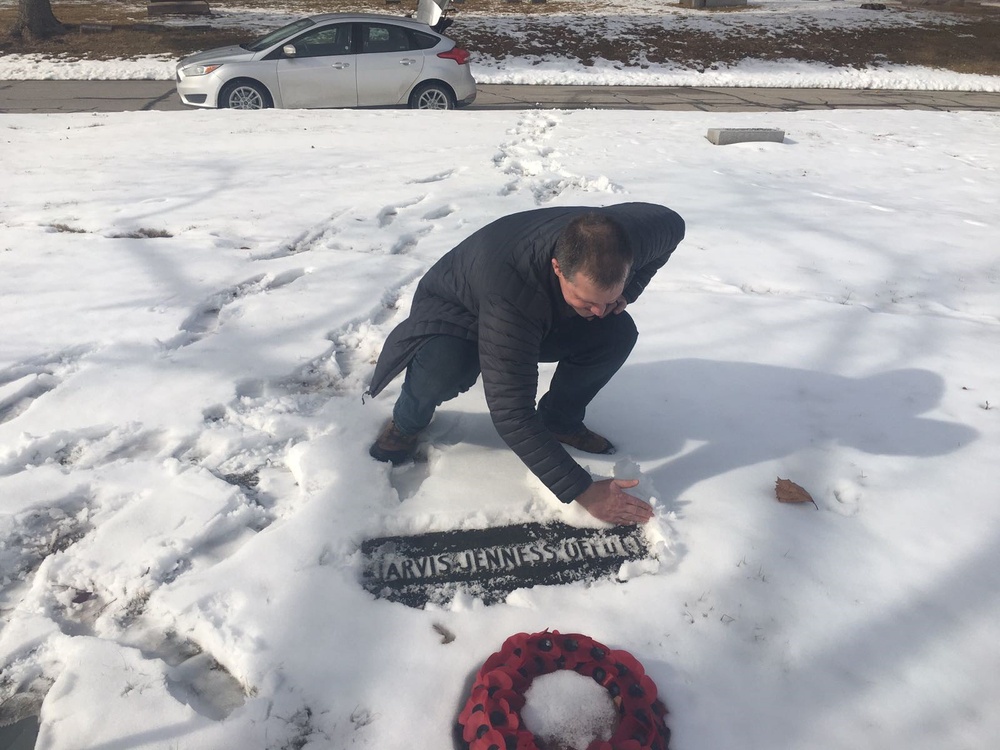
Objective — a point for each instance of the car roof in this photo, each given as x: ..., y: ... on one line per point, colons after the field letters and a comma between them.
x: 402, y: 20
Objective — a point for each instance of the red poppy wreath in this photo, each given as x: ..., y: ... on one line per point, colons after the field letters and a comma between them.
x: 491, y: 719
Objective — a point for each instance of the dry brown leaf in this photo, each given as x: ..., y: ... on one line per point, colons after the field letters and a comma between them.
x: 788, y: 492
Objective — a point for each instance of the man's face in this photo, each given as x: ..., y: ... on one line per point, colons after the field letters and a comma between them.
x: 584, y: 296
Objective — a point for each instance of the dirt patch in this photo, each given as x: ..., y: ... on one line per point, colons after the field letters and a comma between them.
x: 124, y: 41
x: 961, y: 37
x: 971, y: 46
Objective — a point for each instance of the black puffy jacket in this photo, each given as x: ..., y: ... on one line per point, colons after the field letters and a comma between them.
x: 497, y: 287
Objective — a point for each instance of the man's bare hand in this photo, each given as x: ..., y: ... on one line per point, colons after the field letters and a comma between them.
x: 619, y: 304
x: 607, y: 501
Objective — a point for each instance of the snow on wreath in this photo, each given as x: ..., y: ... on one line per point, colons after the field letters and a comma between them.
x: 491, y: 718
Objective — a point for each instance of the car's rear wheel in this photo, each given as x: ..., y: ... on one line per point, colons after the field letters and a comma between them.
x: 245, y: 95
x: 432, y: 96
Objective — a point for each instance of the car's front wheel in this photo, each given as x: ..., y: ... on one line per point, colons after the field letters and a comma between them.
x: 432, y: 96
x: 245, y: 95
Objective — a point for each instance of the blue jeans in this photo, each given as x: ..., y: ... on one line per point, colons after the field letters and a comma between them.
x: 589, y: 353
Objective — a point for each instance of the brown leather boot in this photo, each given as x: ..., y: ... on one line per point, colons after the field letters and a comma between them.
x: 586, y: 441
x: 393, y: 446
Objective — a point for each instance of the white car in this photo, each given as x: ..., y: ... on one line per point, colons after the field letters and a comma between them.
x: 333, y: 60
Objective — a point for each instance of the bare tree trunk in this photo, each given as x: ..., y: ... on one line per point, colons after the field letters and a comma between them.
x: 35, y: 18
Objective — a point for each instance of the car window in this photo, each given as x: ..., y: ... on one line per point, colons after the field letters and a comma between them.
x: 422, y: 40
x: 382, y: 37
x: 276, y: 36
x: 325, y: 41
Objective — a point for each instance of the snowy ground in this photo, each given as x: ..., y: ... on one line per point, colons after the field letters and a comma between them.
x: 189, y: 323
x: 612, y: 18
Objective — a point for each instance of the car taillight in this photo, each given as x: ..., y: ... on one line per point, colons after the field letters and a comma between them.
x: 459, y: 55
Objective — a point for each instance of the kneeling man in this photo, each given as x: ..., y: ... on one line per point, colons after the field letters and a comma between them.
x: 549, y: 285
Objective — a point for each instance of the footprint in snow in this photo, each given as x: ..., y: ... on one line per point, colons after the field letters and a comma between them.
x: 407, y: 479
x: 27, y: 538
x: 434, y: 177
x: 848, y: 496
x: 440, y: 212
x: 207, y: 317
x: 24, y: 383
x: 18, y: 396
x: 389, y: 213
x: 408, y: 241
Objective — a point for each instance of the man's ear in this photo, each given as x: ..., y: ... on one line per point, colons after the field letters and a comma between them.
x: 555, y: 267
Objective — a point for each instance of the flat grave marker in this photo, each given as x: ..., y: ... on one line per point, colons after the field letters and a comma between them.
x: 491, y: 563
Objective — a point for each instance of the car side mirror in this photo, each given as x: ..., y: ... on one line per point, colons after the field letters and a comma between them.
x: 289, y: 50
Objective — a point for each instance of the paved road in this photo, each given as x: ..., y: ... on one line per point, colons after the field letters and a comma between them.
x: 121, y: 96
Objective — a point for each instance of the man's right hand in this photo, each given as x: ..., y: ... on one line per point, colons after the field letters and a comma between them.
x: 607, y: 501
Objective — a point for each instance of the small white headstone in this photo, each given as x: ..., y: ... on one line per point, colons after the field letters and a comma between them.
x: 724, y: 136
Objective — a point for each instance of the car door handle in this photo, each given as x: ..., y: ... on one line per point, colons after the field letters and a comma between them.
x: 407, y: 61
x: 340, y: 65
